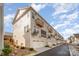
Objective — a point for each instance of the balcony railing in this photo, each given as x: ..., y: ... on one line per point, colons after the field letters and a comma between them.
x: 39, y: 22
x: 50, y: 30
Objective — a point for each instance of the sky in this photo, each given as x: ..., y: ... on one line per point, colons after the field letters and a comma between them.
x: 63, y: 17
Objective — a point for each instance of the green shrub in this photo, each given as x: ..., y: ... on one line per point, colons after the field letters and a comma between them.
x: 7, y: 50
x: 53, y: 44
x: 47, y: 46
x: 23, y: 47
x: 17, y: 47
x: 6, y: 46
x: 31, y: 49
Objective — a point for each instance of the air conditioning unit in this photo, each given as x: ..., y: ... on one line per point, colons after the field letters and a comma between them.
x: 35, y: 31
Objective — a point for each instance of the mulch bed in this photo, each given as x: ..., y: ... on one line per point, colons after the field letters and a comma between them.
x: 20, y: 52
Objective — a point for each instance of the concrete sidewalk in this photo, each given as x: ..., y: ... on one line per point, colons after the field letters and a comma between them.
x: 73, y: 51
x: 39, y: 50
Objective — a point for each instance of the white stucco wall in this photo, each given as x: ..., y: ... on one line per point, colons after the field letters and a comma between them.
x: 27, y: 38
x: 19, y: 31
x: 76, y: 40
x: 20, y: 13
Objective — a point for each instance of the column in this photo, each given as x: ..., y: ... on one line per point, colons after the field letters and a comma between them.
x: 1, y: 27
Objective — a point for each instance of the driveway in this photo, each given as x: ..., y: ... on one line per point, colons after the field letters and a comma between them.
x: 62, y: 50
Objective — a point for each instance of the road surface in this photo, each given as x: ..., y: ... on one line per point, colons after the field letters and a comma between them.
x: 62, y: 50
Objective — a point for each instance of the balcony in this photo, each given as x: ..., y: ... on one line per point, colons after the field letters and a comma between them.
x: 39, y: 22
x: 50, y: 30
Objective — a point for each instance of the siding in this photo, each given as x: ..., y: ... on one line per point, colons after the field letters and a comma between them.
x: 38, y: 41
x: 19, y: 33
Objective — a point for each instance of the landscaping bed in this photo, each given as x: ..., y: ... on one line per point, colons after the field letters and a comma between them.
x: 21, y: 52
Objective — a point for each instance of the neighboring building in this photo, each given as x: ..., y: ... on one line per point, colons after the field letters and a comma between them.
x: 74, y: 39
x: 8, y: 36
x: 8, y: 39
x: 32, y: 31
x: 1, y: 27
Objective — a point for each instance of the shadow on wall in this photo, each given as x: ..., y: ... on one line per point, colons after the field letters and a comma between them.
x: 26, y: 36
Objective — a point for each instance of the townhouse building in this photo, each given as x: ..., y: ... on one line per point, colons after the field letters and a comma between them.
x: 33, y: 31
x: 74, y: 39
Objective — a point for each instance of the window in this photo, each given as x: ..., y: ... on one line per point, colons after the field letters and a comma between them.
x: 21, y: 44
x: 33, y: 16
x: 16, y: 41
x: 27, y: 15
x: 26, y: 28
x: 43, y: 33
x: 35, y: 31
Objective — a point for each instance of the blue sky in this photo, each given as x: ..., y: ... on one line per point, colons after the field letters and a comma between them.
x: 63, y: 17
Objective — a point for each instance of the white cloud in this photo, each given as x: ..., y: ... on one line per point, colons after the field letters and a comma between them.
x: 66, y: 15
x: 61, y: 17
x: 8, y: 17
x: 64, y: 24
x: 76, y: 26
x: 73, y: 16
x: 60, y: 8
x: 38, y: 7
x: 63, y: 8
x: 68, y: 32
x: 8, y: 22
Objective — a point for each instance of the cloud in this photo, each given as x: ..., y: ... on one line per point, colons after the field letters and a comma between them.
x: 59, y: 8
x: 8, y: 22
x: 61, y: 17
x: 67, y: 20
x: 66, y: 16
x: 7, y: 17
x: 73, y: 16
x: 70, y: 31
x: 67, y: 32
x: 63, y: 8
x: 64, y: 24
x: 76, y: 26
x: 38, y: 7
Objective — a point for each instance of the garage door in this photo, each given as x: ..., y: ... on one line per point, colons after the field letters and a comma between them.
x: 38, y: 44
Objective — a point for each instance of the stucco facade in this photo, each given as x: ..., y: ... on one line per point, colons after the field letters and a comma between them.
x: 31, y: 30
x: 74, y: 39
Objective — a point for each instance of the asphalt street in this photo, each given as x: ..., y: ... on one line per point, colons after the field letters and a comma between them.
x: 62, y: 50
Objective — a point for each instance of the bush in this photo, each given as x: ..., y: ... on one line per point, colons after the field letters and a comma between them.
x: 6, y: 46
x: 53, y: 44
x: 17, y: 46
x: 31, y: 49
x: 23, y: 47
x: 47, y: 46
x: 7, y: 50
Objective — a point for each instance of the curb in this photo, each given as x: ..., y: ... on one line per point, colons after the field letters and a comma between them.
x: 33, y: 54
x: 70, y: 51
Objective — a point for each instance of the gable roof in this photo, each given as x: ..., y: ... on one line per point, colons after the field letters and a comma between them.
x: 16, y: 18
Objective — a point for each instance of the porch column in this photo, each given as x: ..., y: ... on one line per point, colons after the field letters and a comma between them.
x: 1, y: 27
